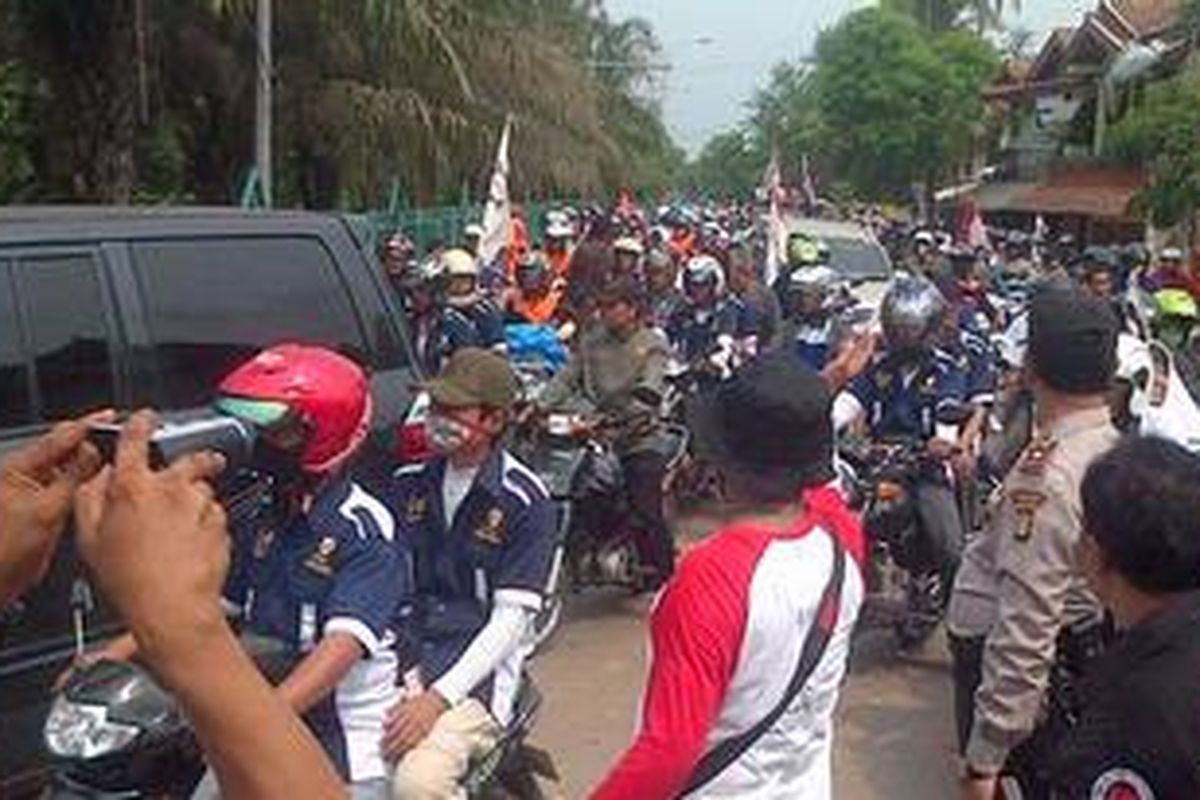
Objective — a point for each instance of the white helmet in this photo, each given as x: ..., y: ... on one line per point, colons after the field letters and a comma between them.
x: 459, y: 263
x: 703, y: 269
x: 473, y: 231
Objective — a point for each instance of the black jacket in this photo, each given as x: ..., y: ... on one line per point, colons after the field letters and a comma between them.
x: 1139, y: 730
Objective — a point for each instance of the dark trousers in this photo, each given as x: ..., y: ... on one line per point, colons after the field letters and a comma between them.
x: 644, y: 472
x: 966, y: 655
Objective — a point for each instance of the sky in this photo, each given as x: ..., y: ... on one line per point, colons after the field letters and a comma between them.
x: 719, y: 51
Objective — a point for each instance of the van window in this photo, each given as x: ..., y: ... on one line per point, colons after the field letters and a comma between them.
x: 56, y: 335
x: 210, y: 305
x: 14, y: 376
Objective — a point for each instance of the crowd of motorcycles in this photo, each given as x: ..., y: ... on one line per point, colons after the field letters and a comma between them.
x: 113, y: 732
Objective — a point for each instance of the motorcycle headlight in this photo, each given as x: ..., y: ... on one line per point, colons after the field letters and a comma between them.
x: 78, y: 731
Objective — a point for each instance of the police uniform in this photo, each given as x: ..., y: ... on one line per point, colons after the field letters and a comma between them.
x: 1019, y: 588
x: 332, y: 569
x: 500, y: 546
x: 1137, y: 737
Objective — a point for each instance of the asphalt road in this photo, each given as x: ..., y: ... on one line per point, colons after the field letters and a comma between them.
x: 894, y: 737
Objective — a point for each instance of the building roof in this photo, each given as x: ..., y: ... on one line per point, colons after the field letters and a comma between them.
x: 1147, y: 16
x: 1104, y: 192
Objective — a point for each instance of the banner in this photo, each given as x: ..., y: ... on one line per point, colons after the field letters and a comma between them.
x: 497, y: 214
x: 776, y: 227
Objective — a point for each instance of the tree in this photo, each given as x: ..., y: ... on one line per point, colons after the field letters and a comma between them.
x: 943, y: 15
x: 366, y: 91
x: 1161, y: 133
x: 899, y: 106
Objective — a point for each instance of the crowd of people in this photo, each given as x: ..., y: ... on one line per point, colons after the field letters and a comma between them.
x: 411, y: 604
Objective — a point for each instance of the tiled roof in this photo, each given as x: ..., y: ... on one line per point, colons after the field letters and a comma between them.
x: 1090, y: 192
x: 1148, y: 16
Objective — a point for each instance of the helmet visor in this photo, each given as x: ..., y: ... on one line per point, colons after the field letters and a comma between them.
x: 259, y: 413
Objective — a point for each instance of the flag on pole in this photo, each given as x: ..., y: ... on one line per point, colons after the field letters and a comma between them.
x: 776, y: 227
x: 808, y: 187
x: 497, y: 214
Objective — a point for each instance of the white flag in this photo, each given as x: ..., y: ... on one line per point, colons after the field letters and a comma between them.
x: 497, y: 214
x: 776, y: 228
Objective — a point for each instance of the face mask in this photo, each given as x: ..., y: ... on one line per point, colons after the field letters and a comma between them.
x: 446, y: 434
x: 282, y: 465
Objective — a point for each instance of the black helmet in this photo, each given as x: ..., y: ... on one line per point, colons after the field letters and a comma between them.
x: 912, y: 310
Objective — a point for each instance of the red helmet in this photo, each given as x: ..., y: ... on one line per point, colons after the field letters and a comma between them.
x: 328, y: 391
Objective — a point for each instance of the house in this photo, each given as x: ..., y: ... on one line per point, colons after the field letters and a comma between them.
x: 1061, y: 107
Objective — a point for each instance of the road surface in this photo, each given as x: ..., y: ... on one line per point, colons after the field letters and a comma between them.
x: 894, y: 735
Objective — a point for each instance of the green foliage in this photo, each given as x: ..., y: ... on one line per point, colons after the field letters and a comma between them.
x: 366, y: 91
x: 729, y: 164
x: 899, y: 105
x: 943, y: 15
x: 1161, y: 132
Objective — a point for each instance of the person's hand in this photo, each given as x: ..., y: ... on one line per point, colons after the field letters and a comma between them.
x: 156, y: 540
x: 37, y: 485
x: 410, y: 721
x: 979, y: 787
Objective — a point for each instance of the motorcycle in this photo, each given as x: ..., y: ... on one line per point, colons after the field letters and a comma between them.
x: 575, y: 456
x: 905, y: 589
x: 114, y: 732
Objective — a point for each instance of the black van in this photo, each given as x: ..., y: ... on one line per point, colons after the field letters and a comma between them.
x: 140, y: 307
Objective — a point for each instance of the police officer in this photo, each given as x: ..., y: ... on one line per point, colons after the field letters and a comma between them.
x: 1137, y: 737
x: 446, y: 312
x: 480, y: 528
x: 620, y: 370
x: 916, y: 391
x: 1019, y: 597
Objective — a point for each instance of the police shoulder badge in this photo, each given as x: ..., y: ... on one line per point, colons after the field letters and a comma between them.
x: 1121, y: 784
x: 1025, y: 503
x: 320, y: 560
x: 492, y: 528
x: 1037, y: 454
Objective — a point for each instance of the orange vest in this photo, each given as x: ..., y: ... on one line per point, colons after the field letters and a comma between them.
x: 537, y: 310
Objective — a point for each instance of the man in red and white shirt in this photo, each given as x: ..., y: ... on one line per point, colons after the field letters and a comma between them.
x: 749, y: 640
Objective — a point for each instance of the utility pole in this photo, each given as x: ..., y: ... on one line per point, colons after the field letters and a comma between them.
x: 262, y: 106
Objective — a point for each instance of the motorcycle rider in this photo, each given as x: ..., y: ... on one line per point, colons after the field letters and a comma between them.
x: 322, y: 573
x: 557, y: 243
x: 810, y: 299
x: 1173, y: 272
x: 537, y: 298
x: 761, y: 313
x: 445, y: 312
x: 916, y: 391
x: 479, y: 529
x: 703, y: 329
x: 662, y: 288
x: 627, y: 258
x: 619, y: 369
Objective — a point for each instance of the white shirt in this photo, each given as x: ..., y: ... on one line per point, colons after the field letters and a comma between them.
x: 455, y: 486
